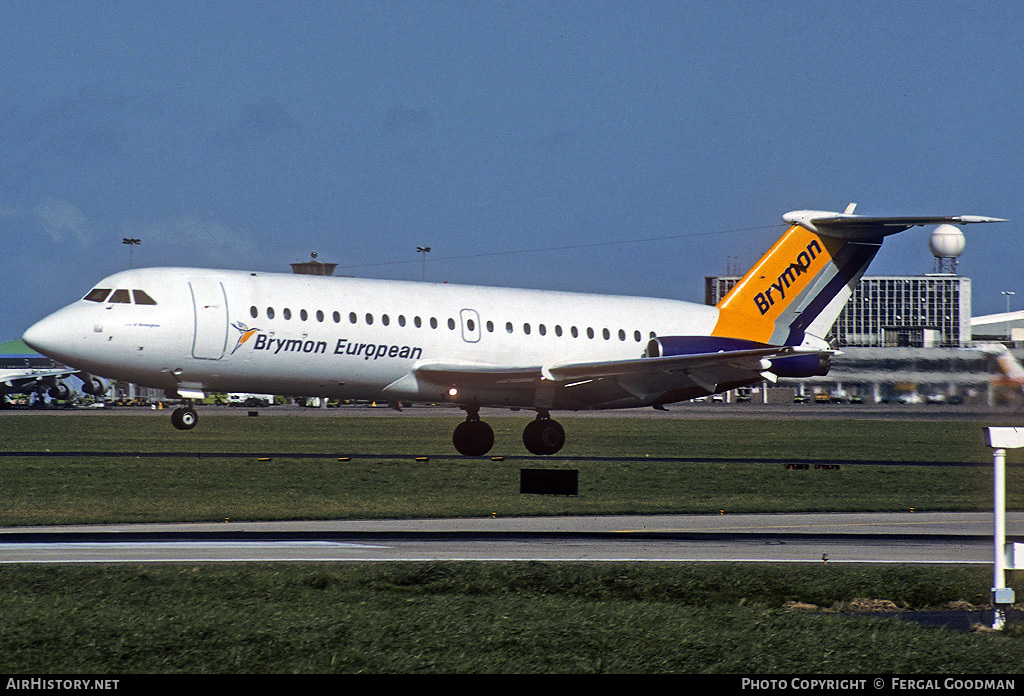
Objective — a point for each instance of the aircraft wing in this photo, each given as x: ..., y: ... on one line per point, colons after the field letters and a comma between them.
x: 18, y: 381
x: 599, y: 384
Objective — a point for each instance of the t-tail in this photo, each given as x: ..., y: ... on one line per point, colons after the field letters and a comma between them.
x: 796, y: 291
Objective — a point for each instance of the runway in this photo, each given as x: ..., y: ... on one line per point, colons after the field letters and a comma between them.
x: 912, y: 537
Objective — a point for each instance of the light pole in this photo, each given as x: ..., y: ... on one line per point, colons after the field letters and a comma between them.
x: 424, y: 251
x: 131, y: 242
x: 1008, y: 295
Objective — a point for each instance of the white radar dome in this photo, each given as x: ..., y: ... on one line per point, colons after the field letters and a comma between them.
x: 946, y: 242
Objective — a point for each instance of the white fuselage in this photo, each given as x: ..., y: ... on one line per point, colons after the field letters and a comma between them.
x: 236, y: 331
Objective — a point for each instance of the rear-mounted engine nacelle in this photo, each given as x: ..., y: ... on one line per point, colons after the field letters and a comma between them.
x: 664, y: 346
x: 815, y: 365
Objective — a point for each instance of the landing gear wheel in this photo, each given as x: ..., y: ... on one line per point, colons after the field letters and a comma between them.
x: 184, y: 418
x: 473, y: 438
x: 544, y: 436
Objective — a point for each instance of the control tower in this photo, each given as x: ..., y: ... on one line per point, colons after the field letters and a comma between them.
x: 314, y: 267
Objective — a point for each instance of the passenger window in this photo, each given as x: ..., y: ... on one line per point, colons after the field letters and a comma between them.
x: 385, y: 320
x: 319, y: 315
x: 303, y: 315
x: 636, y: 336
x: 575, y: 332
x: 470, y: 325
x: 451, y: 323
x: 369, y: 319
x: 558, y: 329
x: 401, y: 320
x: 590, y: 333
x: 508, y: 327
x: 490, y: 326
x: 433, y: 323
x: 287, y: 313
x: 622, y: 335
x: 352, y: 318
x: 606, y: 334
x: 542, y: 329
x: 97, y: 294
x: 270, y: 312
x: 142, y: 298
x: 337, y: 317
x: 526, y: 329
x: 418, y: 322
x: 253, y: 312
x: 120, y: 296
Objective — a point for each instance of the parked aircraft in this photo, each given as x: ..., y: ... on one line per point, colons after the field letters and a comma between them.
x: 35, y: 381
x: 1011, y: 369
x: 51, y: 381
x: 191, y: 331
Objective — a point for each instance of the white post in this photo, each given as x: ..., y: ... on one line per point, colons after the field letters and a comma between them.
x: 999, y: 536
x: 1000, y: 439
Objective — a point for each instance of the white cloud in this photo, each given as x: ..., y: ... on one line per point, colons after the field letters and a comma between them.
x: 62, y: 222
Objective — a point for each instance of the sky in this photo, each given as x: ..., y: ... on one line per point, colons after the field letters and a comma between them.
x: 614, y: 147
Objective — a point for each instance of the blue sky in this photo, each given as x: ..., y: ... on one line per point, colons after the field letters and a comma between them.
x: 615, y: 147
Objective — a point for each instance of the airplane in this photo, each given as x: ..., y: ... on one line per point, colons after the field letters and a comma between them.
x: 18, y: 375
x: 30, y: 380
x: 1011, y: 369
x: 192, y: 331
x: 34, y: 380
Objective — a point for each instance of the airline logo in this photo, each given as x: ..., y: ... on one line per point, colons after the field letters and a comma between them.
x: 789, y: 275
x: 245, y: 333
x: 368, y: 351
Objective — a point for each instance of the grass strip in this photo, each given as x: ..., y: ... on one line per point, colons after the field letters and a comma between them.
x: 490, y: 618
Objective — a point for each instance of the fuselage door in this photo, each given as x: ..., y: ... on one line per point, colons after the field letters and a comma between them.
x: 211, y: 318
x: 470, y: 325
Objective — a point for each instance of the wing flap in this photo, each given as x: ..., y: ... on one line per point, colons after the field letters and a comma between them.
x: 470, y: 372
x: 741, y: 360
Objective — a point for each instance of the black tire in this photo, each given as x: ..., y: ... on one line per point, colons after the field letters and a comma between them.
x: 544, y: 436
x: 473, y: 438
x: 184, y: 418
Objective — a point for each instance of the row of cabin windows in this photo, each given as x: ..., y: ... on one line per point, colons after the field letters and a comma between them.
x: 119, y: 296
x: 385, y: 319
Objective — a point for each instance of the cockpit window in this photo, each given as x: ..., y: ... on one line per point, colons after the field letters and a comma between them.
x: 97, y: 294
x: 142, y: 298
x: 121, y: 296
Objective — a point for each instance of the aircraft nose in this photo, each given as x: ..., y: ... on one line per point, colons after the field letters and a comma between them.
x: 45, y: 335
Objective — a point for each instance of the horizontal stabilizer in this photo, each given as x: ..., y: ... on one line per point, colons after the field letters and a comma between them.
x: 859, y: 227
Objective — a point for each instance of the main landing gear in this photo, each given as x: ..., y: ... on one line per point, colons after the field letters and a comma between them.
x: 474, y: 438
x: 184, y: 418
x: 544, y: 435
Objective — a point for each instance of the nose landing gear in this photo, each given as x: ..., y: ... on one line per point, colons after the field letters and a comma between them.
x: 184, y: 418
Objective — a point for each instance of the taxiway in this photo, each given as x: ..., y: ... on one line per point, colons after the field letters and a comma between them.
x: 912, y: 537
